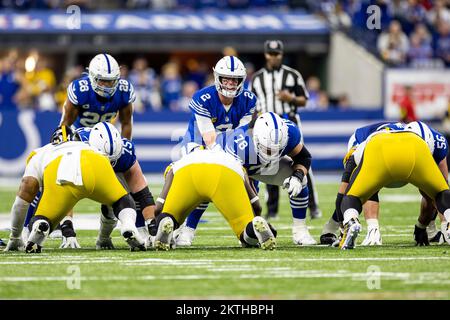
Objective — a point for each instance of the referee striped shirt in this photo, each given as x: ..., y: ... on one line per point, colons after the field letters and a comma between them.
x: 266, y: 83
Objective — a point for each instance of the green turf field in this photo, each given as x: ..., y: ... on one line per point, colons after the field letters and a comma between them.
x: 217, y: 268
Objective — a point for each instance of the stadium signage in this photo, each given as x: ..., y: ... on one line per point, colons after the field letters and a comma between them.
x: 143, y: 21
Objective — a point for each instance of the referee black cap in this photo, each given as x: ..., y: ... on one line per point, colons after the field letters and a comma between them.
x: 273, y: 46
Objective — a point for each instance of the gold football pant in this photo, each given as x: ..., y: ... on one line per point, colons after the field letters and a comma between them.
x: 391, y: 158
x: 197, y: 183
x: 99, y: 184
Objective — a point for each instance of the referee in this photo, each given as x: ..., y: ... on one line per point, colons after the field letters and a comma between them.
x: 281, y: 89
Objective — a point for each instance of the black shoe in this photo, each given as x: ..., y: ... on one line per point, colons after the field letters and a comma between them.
x: 328, y: 238
x: 33, y: 248
x: 2, y: 243
x: 436, y: 238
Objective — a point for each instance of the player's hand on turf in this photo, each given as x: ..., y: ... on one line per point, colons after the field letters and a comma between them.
x: 295, y: 183
x: 104, y: 244
x: 70, y: 242
x: 421, y: 236
x: 15, y: 244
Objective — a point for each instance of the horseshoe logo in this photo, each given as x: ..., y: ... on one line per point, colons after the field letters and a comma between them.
x: 26, y: 123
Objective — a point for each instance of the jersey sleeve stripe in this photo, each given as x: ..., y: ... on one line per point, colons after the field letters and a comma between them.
x: 203, y: 111
x: 132, y: 94
x: 71, y: 94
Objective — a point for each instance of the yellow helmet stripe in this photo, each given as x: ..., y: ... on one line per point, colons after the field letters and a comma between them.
x: 64, y: 133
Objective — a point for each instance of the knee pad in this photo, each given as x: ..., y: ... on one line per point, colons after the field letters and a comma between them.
x: 443, y: 200
x: 162, y: 215
x: 125, y: 202
x: 351, y: 202
x: 35, y: 218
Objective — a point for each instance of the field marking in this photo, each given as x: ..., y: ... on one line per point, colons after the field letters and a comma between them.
x: 52, y: 260
x: 406, y: 277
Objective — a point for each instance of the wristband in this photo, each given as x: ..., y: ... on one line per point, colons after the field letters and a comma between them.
x: 254, y: 200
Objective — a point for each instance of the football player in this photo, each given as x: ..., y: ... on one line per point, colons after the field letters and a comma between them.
x: 210, y: 175
x: 223, y: 106
x: 272, y: 153
x: 216, y: 109
x: 371, y: 207
x: 130, y: 174
x: 99, y: 97
x: 393, y: 158
x: 70, y: 171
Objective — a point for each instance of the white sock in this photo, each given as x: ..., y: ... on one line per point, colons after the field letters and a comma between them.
x: 350, y: 214
x: 128, y: 218
x: 372, y: 223
x: 447, y: 215
x: 331, y: 227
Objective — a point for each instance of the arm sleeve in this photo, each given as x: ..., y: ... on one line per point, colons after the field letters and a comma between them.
x: 300, y: 87
x: 204, y: 124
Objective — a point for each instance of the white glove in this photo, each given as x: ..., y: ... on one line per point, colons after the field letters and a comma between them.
x: 373, y: 238
x: 445, y: 229
x: 294, y: 184
x: 70, y: 242
x: 15, y: 244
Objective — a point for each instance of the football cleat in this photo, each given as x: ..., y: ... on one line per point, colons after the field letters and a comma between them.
x: 445, y: 231
x: 184, y: 236
x: 164, y: 234
x: 373, y: 237
x: 2, y: 243
x: 328, y: 238
x: 301, y: 236
x: 33, y: 248
x: 37, y: 236
x: 134, y: 240
x: 264, y: 234
x: 351, y: 230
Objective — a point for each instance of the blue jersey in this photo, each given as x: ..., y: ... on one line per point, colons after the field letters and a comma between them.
x: 240, y: 145
x: 94, y: 108
x: 361, y: 134
x: 440, y: 146
x: 127, y: 158
x: 440, y: 143
x: 206, y: 103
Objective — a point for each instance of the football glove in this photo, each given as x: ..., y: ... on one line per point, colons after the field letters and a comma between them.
x: 104, y: 244
x: 295, y: 183
x: 70, y: 242
x: 373, y: 237
x: 15, y: 244
x: 421, y: 236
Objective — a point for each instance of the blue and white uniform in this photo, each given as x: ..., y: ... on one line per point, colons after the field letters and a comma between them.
x: 206, y: 103
x: 240, y: 145
x: 94, y: 108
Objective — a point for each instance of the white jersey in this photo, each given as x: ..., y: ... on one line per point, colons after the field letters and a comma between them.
x: 41, y: 157
x: 215, y: 156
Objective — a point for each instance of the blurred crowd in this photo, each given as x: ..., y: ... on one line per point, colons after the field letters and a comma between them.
x: 31, y: 83
x: 147, y: 4
x: 412, y: 33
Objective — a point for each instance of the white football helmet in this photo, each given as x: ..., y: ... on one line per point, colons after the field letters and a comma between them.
x: 229, y: 67
x: 270, y: 136
x: 104, y: 67
x: 106, y: 139
x: 423, y: 131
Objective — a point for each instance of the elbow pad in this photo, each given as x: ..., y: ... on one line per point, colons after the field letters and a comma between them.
x: 303, y: 158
